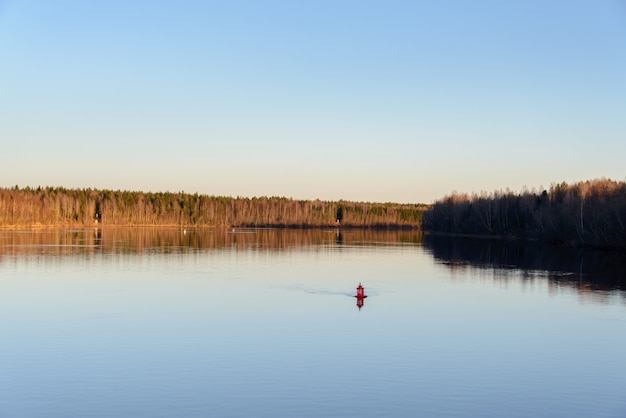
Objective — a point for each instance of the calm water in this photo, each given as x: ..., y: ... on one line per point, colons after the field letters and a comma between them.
x: 240, y: 323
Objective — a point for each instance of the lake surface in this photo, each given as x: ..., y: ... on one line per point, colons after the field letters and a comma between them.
x: 264, y: 323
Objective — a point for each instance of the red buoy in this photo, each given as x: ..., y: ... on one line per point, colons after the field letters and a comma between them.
x: 360, y: 296
x: 360, y: 292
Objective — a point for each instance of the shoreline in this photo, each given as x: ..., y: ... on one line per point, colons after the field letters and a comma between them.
x: 61, y: 226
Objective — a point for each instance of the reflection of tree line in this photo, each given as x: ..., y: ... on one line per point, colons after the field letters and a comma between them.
x: 586, y: 269
x: 177, y: 240
x: 53, y: 206
x: 589, y: 213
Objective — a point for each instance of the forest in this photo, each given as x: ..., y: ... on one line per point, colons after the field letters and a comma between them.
x: 58, y: 206
x: 589, y: 213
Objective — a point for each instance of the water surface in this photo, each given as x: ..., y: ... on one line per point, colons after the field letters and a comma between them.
x: 233, y: 323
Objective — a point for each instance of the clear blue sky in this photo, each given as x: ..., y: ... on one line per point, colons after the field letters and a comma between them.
x: 402, y: 101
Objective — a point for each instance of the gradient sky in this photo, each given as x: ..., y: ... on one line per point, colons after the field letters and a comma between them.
x: 402, y: 101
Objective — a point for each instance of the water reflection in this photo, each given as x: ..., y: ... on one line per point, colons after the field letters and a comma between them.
x: 590, y: 271
x: 175, y: 240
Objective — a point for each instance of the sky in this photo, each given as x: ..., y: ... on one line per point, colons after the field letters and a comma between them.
x: 381, y: 101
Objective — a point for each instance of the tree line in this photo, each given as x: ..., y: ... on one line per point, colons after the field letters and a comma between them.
x: 586, y: 213
x: 55, y: 206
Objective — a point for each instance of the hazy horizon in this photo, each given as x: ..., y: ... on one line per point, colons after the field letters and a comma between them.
x: 398, y: 101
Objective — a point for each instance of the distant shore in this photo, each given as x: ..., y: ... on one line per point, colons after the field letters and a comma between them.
x: 58, y: 207
x: 590, y: 213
